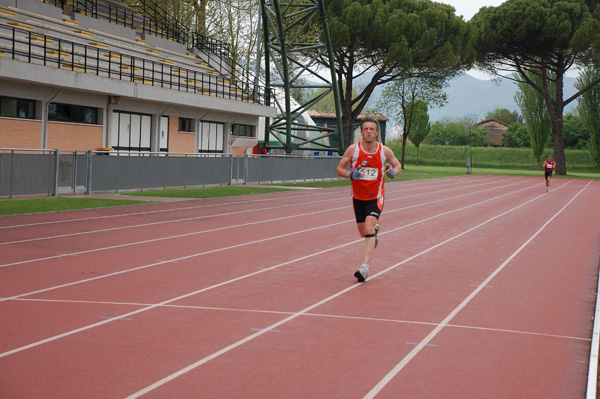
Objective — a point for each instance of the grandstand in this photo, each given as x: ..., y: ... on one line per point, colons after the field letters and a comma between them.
x: 99, y: 74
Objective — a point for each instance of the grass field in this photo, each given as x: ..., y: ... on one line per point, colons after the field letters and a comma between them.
x: 490, y: 157
x: 53, y: 204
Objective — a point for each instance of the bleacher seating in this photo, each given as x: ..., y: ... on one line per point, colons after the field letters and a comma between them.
x: 84, y: 40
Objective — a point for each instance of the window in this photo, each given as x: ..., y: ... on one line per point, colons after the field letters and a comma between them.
x: 72, y: 113
x: 242, y: 130
x: 130, y: 132
x: 186, y: 125
x: 17, y: 108
x: 211, y: 137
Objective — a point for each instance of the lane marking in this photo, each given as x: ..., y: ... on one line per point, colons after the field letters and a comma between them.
x: 221, y: 204
x: 324, y: 315
x: 419, y: 347
x: 235, y: 226
x: 337, y: 199
x: 261, y: 241
x: 72, y: 332
x: 392, y: 373
x: 416, y: 343
x: 115, y: 318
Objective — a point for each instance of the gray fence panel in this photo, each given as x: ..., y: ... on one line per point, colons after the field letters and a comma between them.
x: 176, y: 171
x: 32, y: 172
x: 105, y: 173
x: 29, y: 174
x: 155, y: 170
x: 208, y: 170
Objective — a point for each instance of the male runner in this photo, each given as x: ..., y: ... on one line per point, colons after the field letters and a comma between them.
x: 549, y: 166
x: 367, y: 160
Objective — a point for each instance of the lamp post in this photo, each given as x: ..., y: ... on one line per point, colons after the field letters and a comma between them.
x: 469, y: 158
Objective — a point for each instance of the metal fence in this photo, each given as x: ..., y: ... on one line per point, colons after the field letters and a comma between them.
x: 55, y: 172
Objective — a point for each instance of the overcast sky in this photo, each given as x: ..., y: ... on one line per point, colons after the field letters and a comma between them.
x: 468, y: 8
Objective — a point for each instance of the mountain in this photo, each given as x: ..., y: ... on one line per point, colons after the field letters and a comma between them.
x: 468, y: 95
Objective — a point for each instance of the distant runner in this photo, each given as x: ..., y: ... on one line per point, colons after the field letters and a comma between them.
x: 549, y: 166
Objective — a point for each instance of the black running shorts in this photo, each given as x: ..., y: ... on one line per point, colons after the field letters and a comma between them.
x: 362, y: 209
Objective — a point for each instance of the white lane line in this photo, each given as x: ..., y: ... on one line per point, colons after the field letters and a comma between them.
x: 72, y: 332
x: 392, y: 373
x: 221, y: 204
x: 235, y: 226
x: 254, y: 210
x: 241, y: 342
x: 323, y: 315
x: 263, y: 240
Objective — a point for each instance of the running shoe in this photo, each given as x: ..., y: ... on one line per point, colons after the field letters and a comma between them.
x: 361, y: 274
x: 376, y: 231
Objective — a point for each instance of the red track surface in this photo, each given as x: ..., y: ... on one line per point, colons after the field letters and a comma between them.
x: 481, y: 287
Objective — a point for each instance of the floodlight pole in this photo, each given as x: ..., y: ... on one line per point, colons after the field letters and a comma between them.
x: 283, y: 25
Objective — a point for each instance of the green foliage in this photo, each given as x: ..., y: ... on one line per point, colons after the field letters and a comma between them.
x: 490, y: 157
x: 589, y: 109
x: 543, y: 37
x: 535, y: 112
x: 420, y: 125
x: 575, y: 134
x: 393, y: 38
x: 504, y: 115
x: 516, y: 136
x: 455, y: 133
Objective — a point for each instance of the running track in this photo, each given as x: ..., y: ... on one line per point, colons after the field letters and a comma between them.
x: 481, y: 287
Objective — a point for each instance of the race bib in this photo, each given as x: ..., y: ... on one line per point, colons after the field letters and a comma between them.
x: 369, y: 173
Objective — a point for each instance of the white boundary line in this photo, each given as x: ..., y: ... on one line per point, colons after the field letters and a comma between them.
x: 592, y: 384
x: 274, y: 326
x: 392, y: 373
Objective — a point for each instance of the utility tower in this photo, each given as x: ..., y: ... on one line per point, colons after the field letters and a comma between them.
x: 286, y: 27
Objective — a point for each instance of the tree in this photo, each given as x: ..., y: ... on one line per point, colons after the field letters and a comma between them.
x: 504, y: 115
x: 541, y: 37
x: 516, y: 136
x: 535, y: 113
x: 401, y: 100
x: 589, y: 109
x: 420, y: 125
x: 575, y: 133
x: 386, y: 39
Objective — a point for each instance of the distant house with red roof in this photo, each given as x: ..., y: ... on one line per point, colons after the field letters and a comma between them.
x: 495, y: 129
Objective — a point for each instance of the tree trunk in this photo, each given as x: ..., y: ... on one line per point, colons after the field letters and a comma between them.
x: 404, y: 138
x: 556, y: 109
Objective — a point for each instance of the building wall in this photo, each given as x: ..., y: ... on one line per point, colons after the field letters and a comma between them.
x: 20, y: 133
x: 74, y: 136
x: 181, y: 141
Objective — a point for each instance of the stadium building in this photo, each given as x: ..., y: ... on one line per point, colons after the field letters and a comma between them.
x: 100, y: 75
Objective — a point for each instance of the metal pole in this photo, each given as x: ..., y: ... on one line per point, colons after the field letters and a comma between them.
x: 56, y: 172
x: 12, y: 171
x: 88, y: 173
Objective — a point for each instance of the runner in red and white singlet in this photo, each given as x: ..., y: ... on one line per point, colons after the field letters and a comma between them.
x: 549, y: 166
x: 367, y: 160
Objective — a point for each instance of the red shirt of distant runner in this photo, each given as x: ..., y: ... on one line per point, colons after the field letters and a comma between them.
x: 549, y: 166
x: 371, y: 184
